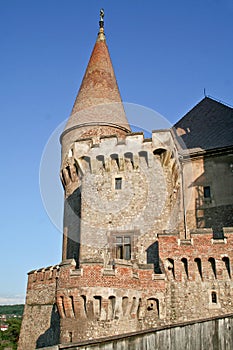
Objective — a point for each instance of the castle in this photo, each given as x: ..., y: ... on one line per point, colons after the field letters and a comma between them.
x: 148, y: 223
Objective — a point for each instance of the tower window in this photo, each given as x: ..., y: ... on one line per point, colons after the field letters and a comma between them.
x: 123, y: 247
x: 207, y: 192
x: 214, y: 297
x: 118, y: 183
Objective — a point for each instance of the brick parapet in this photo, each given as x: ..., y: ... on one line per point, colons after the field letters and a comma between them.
x: 46, y: 275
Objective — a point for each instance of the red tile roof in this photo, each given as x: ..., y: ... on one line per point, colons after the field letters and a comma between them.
x: 98, y: 100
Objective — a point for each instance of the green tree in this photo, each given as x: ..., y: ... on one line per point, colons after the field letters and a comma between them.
x: 10, y: 337
x: 13, y: 330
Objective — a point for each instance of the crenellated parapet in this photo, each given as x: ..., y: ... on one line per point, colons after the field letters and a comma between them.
x: 110, y: 154
x: 43, y: 275
x: 201, y: 257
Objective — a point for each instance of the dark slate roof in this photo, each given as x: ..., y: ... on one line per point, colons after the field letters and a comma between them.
x: 208, y: 126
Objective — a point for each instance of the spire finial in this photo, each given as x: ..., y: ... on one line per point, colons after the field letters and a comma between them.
x: 101, y: 22
x: 101, y: 36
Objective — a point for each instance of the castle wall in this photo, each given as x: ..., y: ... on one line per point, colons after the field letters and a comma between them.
x: 209, y: 334
x: 41, y: 321
x: 98, y: 301
x: 146, y: 203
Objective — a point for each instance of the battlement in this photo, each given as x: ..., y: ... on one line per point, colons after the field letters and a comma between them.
x: 127, y: 294
x: 180, y: 259
x: 112, y: 155
x: 132, y: 143
x: 49, y: 273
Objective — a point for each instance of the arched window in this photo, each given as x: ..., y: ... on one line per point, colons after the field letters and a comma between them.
x: 160, y: 153
x: 153, y: 256
x: 153, y: 306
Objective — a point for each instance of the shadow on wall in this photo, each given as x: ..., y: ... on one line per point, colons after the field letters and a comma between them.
x: 72, y: 219
x: 52, y: 335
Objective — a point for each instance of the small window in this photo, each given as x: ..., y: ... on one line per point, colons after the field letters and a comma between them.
x: 118, y: 183
x: 214, y: 297
x: 70, y: 337
x: 207, y: 192
x: 123, y: 247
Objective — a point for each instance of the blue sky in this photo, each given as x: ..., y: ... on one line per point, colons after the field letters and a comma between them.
x: 164, y: 54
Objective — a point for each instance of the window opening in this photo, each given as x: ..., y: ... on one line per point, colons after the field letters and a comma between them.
x: 214, y: 297
x: 123, y: 247
x: 153, y: 306
x: 206, y: 191
x: 118, y: 183
x: 70, y: 337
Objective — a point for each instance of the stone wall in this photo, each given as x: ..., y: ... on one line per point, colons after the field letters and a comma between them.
x: 99, y: 300
x: 211, y: 334
x: 195, y: 281
x: 41, y: 321
x: 147, y: 202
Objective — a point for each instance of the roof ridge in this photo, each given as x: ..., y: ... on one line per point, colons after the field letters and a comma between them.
x: 220, y: 101
x: 207, y: 97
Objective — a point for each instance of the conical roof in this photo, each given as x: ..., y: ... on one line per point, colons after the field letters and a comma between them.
x: 98, y: 101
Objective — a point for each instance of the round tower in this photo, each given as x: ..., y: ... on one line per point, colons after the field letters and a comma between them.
x: 97, y: 112
x: 121, y: 192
